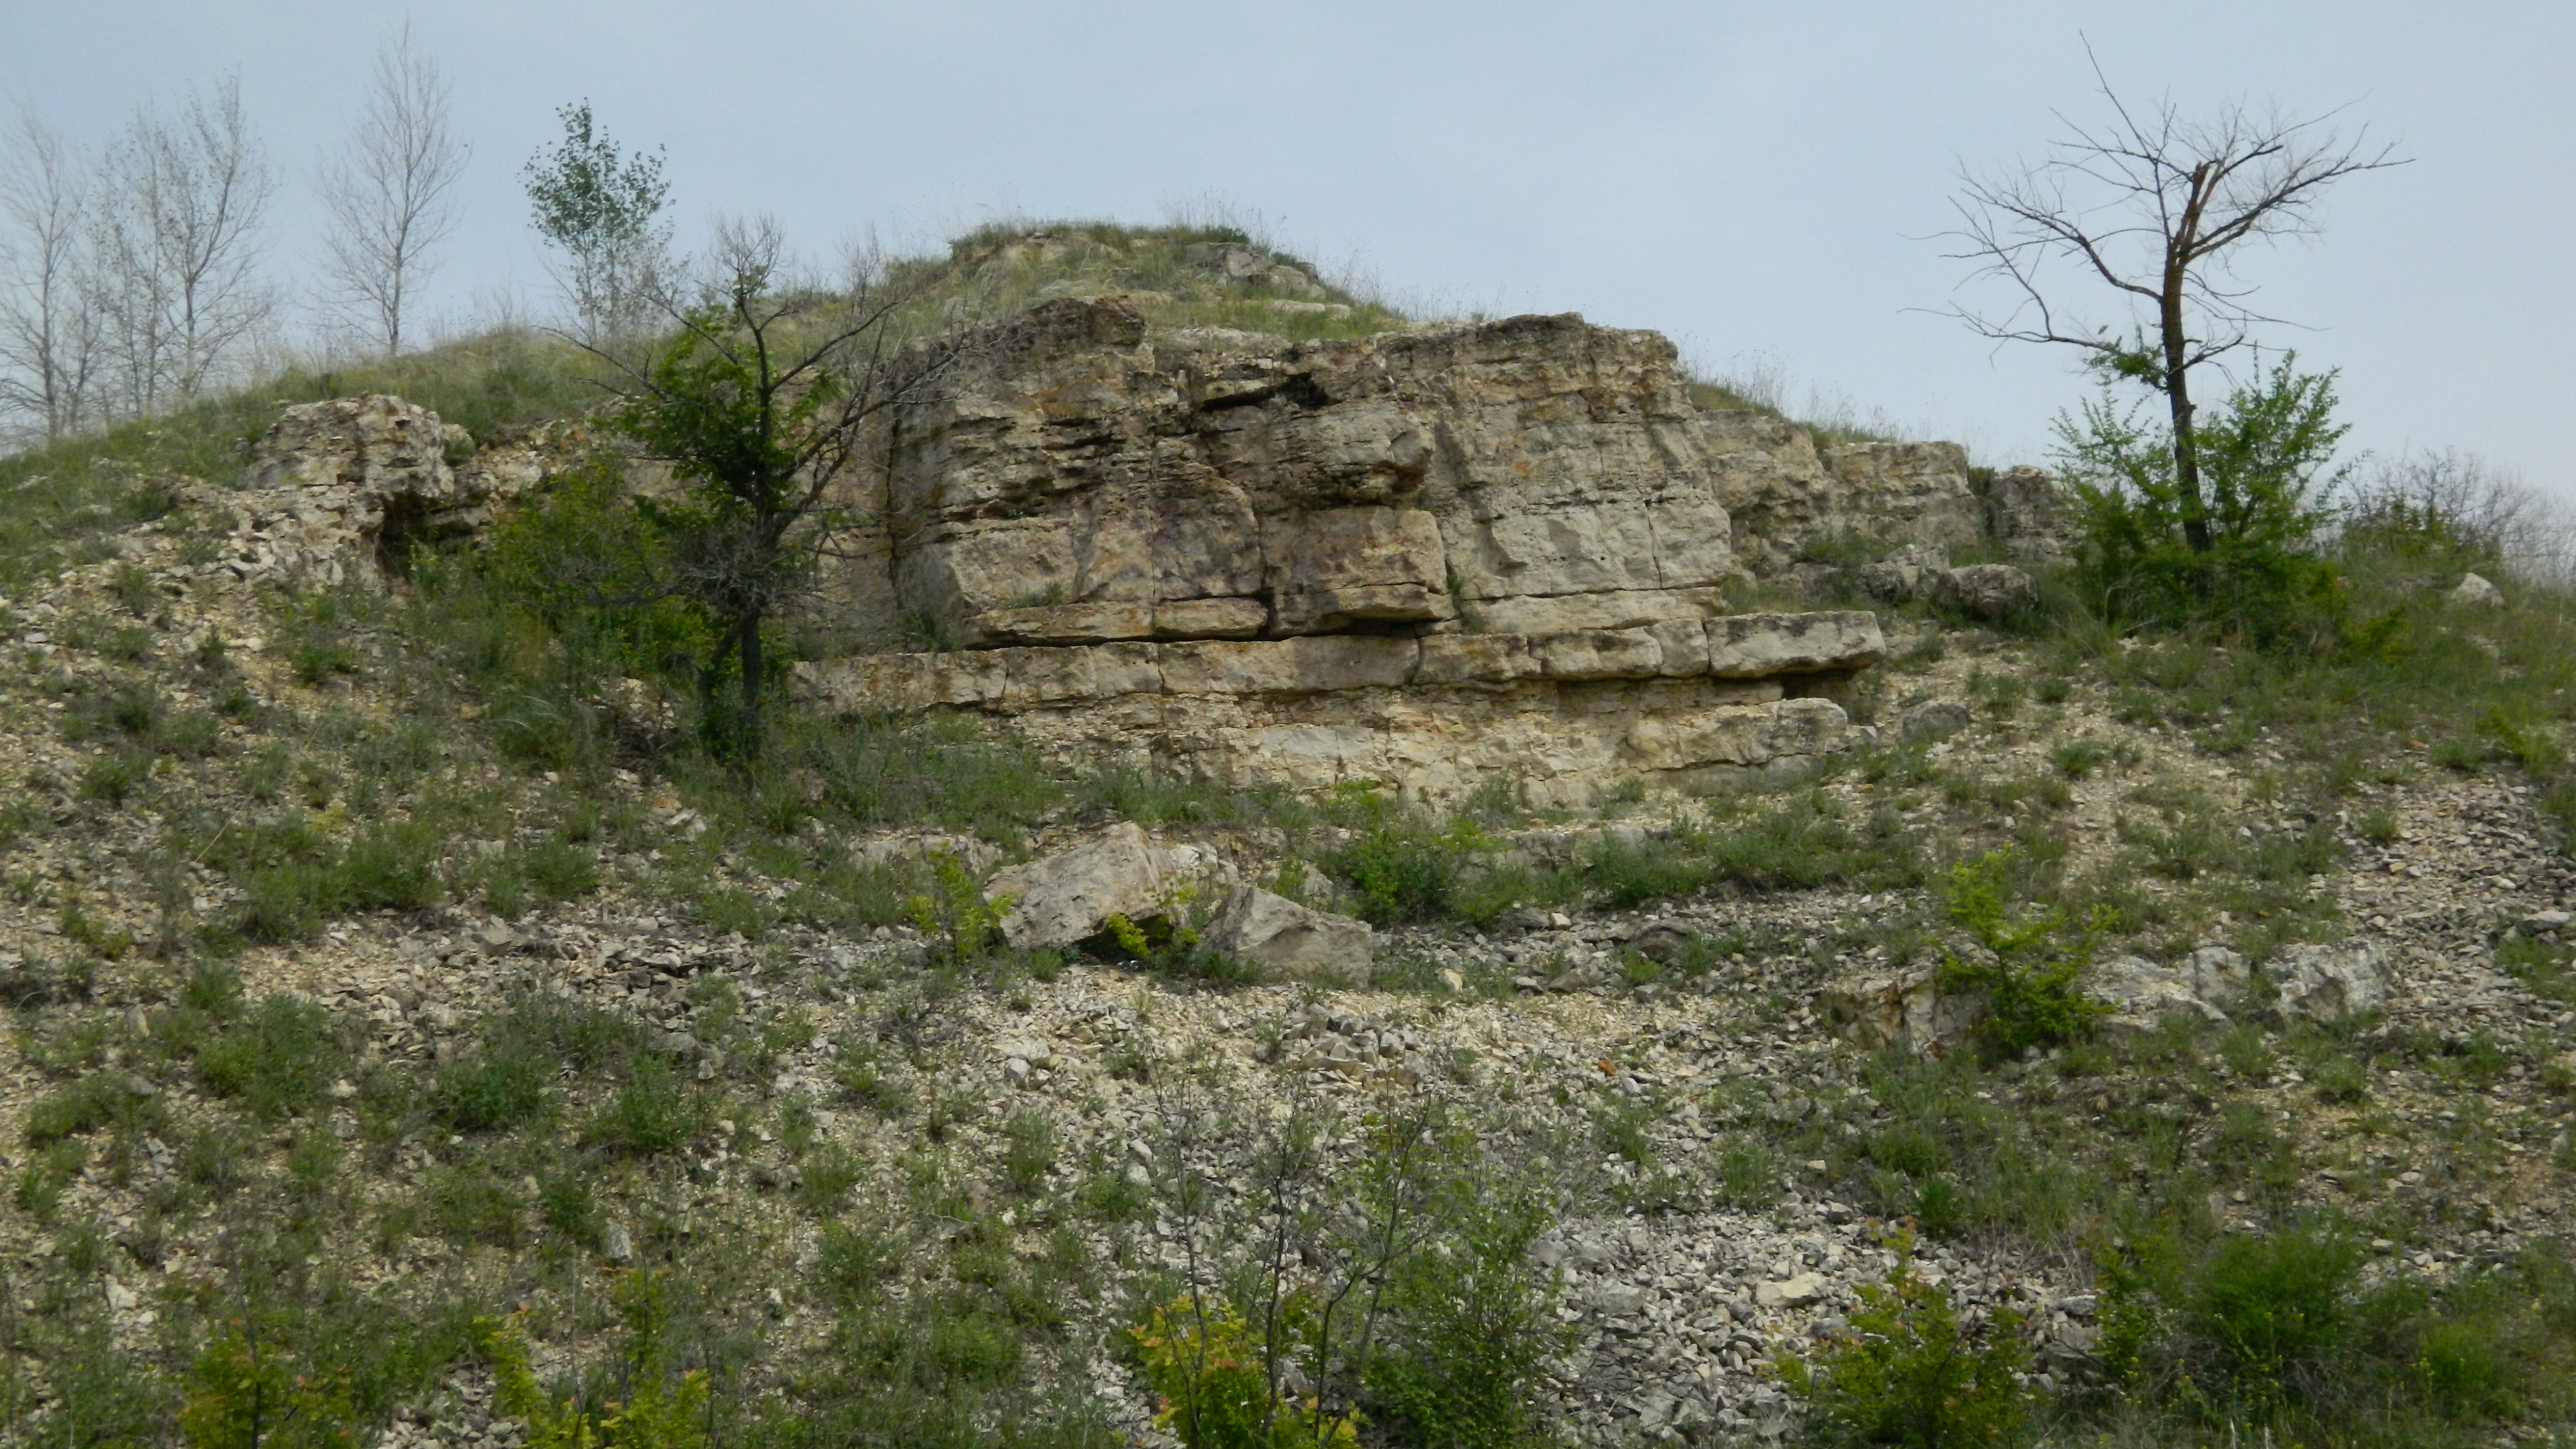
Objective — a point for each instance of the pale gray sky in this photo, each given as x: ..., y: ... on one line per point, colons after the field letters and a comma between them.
x: 1756, y: 180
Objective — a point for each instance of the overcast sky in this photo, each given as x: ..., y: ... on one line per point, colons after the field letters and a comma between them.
x: 1760, y: 181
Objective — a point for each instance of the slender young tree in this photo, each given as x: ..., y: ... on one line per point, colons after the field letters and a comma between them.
x: 603, y: 210
x: 177, y: 234
x: 390, y: 193
x: 2158, y: 209
x: 763, y: 400
x: 50, y: 340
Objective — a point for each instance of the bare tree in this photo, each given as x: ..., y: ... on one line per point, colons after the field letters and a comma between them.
x: 177, y: 233
x: 390, y: 192
x: 50, y: 339
x: 2158, y: 208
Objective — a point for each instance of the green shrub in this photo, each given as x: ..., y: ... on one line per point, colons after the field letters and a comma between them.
x: 654, y: 1111
x: 1400, y: 864
x: 1469, y: 1329
x: 2256, y: 569
x: 1210, y: 1375
x: 278, y: 1059
x: 661, y: 1406
x: 2035, y: 958
x: 507, y: 1082
x: 2267, y: 1317
x: 1908, y: 1372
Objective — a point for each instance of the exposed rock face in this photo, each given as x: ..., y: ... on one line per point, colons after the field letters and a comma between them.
x: 335, y: 489
x: 1904, y: 1006
x: 1076, y: 483
x: 1421, y: 558
x: 2143, y: 995
x: 1436, y: 716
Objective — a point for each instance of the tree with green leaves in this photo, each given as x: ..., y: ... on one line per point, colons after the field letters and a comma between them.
x: 2265, y: 476
x: 763, y: 401
x: 603, y: 209
x: 2158, y: 210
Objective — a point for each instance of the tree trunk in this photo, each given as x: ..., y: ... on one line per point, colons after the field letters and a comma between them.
x: 2177, y: 389
x: 747, y: 655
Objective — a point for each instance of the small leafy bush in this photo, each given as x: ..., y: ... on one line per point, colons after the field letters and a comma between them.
x: 664, y: 1407
x: 2034, y: 959
x: 1207, y: 1370
x: 276, y: 1060
x: 1909, y: 1372
x: 1400, y: 865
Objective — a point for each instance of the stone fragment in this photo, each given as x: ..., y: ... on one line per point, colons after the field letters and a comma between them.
x: 1756, y: 646
x: 1280, y: 937
x: 1791, y: 1292
x: 2478, y: 593
x: 1063, y: 898
x: 1906, y: 1007
x: 1901, y: 574
x: 1985, y: 591
x: 2328, y: 982
x: 1934, y: 719
x: 616, y: 1243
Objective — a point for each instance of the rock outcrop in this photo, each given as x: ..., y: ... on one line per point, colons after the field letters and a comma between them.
x: 1422, y: 558
x: 336, y: 490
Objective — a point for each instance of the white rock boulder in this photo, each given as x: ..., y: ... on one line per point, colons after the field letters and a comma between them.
x: 1280, y: 937
x: 1063, y: 898
x: 2330, y: 982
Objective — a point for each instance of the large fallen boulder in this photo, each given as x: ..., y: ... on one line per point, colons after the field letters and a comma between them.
x: 1060, y: 899
x: 1279, y: 937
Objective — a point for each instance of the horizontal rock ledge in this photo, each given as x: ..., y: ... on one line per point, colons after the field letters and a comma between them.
x: 1744, y: 646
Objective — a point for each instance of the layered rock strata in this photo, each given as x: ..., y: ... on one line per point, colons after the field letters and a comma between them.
x: 1688, y: 704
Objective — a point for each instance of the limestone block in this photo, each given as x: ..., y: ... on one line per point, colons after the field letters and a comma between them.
x: 1063, y: 898
x: 1986, y: 591
x: 1693, y: 542
x: 1600, y: 654
x: 1478, y: 659
x: 1738, y: 735
x: 1933, y: 719
x: 2143, y: 995
x: 1063, y: 624
x: 1683, y: 647
x: 1279, y: 937
x: 2477, y: 592
x: 1616, y: 609
x: 1287, y: 666
x: 1338, y: 567
x: 1906, y: 1007
x: 1118, y: 669
x: 1036, y: 676
x: 902, y: 682
x: 1751, y: 646
x: 1581, y: 549
x: 965, y: 570
x: 1210, y: 618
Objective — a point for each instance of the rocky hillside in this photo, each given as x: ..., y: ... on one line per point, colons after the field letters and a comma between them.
x: 413, y: 1034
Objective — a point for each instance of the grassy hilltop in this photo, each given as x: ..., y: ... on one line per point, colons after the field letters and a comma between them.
x: 413, y: 1032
